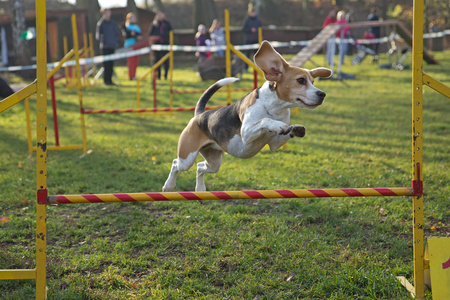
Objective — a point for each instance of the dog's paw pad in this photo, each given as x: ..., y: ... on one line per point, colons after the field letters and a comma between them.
x: 299, y: 131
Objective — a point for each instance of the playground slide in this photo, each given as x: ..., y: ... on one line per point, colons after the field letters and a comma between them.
x: 322, y: 37
x: 407, y: 37
x: 316, y: 44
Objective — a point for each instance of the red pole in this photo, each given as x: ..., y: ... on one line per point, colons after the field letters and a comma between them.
x: 154, y: 88
x: 55, y: 117
x: 255, y: 79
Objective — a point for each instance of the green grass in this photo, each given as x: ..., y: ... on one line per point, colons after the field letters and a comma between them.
x: 338, y: 248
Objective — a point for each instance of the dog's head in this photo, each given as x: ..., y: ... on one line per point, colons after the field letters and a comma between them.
x: 292, y: 84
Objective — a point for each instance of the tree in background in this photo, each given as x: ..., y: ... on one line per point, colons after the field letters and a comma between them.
x: 204, y: 12
x: 437, y: 14
x: 158, y: 5
x: 19, y: 27
x: 131, y: 7
x: 93, y: 9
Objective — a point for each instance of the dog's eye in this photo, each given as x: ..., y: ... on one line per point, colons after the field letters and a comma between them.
x: 302, y: 81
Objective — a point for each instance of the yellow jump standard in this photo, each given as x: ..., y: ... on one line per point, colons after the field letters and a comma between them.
x: 419, y: 78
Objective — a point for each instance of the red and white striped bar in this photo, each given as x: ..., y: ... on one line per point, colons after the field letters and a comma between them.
x: 142, y: 110
x: 226, y: 195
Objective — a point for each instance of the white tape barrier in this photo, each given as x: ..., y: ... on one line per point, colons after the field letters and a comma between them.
x: 124, y: 53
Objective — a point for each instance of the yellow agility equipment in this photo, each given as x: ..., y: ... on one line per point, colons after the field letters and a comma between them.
x: 419, y: 78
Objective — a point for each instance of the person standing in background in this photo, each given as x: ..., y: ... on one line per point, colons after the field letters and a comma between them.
x: 217, y: 36
x: 349, y: 16
x: 132, y: 33
x: 343, y: 34
x: 107, y: 34
x: 375, y: 30
x: 331, y: 43
x: 250, y: 29
x: 160, y: 34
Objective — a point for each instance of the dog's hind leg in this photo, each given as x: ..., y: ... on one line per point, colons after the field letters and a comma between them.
x: 213, y: 160
x: 178, y: 164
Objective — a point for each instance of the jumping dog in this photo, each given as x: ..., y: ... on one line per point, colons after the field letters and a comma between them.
x: 245, y: 127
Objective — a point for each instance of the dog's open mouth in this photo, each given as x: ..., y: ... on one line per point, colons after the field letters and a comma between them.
x: 306, y: 104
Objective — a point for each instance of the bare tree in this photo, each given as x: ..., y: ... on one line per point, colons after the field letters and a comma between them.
x: 204, y: 12
x: 22, y: 56
x: 93, y: 9
x: 158, y: 5
x: 131, y: 7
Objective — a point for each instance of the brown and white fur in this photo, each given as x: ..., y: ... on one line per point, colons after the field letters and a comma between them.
x: 245, y: 127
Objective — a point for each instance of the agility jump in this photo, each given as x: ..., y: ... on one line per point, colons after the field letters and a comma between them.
x: 43, y: 198
x: 169, y: 56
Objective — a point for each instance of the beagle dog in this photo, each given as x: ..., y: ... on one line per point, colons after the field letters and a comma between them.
x: 245, y: 127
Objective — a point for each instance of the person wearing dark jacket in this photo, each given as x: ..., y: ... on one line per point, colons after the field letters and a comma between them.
x: 107, y: 33
x: 375, y: 30
x: 250, y: 29
x: 160, y: 34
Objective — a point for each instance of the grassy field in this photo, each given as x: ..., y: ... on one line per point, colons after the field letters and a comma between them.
x: 338, y: 248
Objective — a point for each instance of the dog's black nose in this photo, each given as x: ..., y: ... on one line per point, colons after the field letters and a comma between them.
x: 321, y: 94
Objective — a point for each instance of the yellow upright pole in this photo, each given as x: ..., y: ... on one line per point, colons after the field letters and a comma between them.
x: 228, y: 53
x: 66, y: 69
x: 417, y: 135
x: 171, y: 70
x: 27, y: 114
x: 85, y: 55
x: 91, y: 55
x: 41, y: 152
x: 77, y: 73
x: 260, y: 39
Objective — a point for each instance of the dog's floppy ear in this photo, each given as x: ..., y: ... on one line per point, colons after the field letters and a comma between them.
x: 270, y: 62
x: 320, y: 72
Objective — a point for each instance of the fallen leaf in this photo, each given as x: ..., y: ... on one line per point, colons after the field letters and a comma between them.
x: 19, y: 165
x: 291, y: 277
x: 433, y: 228
x: 4, y: 219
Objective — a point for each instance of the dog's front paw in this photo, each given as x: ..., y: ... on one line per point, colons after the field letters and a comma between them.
x: 283, y: 129
x: 298, y: 130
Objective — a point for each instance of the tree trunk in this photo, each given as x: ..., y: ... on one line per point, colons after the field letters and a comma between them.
x: 131, y: 7
x: 21, y: 49
x: 93, y: 17
x: 305, y: 13
x: 158, y: 5
x: 204, y: 13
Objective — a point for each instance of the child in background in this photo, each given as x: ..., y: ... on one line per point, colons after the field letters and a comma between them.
x: 201, y: 40
x: 217, y: 36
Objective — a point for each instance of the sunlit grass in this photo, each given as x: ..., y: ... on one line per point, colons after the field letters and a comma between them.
x: 343, y: 248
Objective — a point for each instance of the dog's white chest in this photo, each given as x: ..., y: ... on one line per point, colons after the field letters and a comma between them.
x: 262, y: 123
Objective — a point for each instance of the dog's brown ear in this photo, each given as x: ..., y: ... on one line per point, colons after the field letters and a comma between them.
x: 320, y: 72
x: 270, y: 62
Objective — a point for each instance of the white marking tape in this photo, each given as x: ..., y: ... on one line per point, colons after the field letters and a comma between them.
x: 124, y: 53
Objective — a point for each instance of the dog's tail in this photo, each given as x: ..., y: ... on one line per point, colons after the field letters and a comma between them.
x: 201, y: 104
